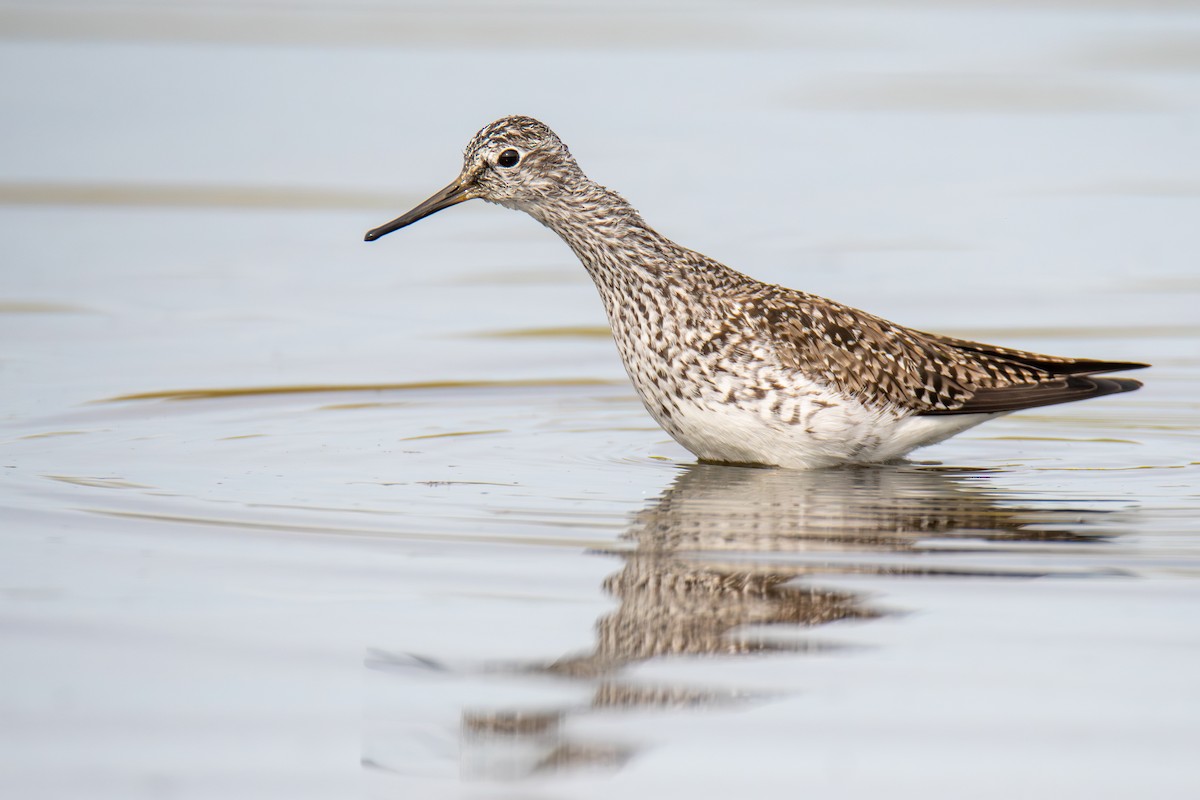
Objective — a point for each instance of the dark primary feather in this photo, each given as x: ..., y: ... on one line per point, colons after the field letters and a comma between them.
x: 1048, y: 393
x: 1057, y: 365
x: 883, y: 363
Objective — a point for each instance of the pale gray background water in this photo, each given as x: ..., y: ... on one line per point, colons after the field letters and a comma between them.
x: 387, y: 521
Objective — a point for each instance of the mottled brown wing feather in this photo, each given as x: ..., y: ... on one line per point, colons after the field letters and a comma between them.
x: 1057, y: 365
x: 882, y: 363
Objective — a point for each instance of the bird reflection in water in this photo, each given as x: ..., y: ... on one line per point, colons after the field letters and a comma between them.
x: 726, y: 551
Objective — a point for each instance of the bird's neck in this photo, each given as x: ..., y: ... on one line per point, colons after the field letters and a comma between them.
x: 607, y: 234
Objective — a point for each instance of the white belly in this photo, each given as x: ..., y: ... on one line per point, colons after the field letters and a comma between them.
x: 738, y: 405
x: 827, y: 434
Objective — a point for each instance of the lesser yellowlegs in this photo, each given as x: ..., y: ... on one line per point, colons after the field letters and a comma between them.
x: 741, y: 371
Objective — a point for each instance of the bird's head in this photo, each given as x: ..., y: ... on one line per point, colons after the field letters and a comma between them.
x: 516, y: 161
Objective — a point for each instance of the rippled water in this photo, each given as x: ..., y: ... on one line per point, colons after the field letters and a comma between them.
x: 289, y: 515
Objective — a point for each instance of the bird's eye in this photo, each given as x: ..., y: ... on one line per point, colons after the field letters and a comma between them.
x: 508, y: 158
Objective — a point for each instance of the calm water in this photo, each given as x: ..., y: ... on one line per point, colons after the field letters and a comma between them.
x: 288, y: 515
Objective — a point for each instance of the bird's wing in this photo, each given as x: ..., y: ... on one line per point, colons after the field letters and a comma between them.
x: 885, y: 364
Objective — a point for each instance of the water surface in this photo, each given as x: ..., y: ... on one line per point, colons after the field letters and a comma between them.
x: 289, y: 515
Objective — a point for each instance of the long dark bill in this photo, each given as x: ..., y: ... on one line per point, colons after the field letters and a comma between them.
x: 452, y: 195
